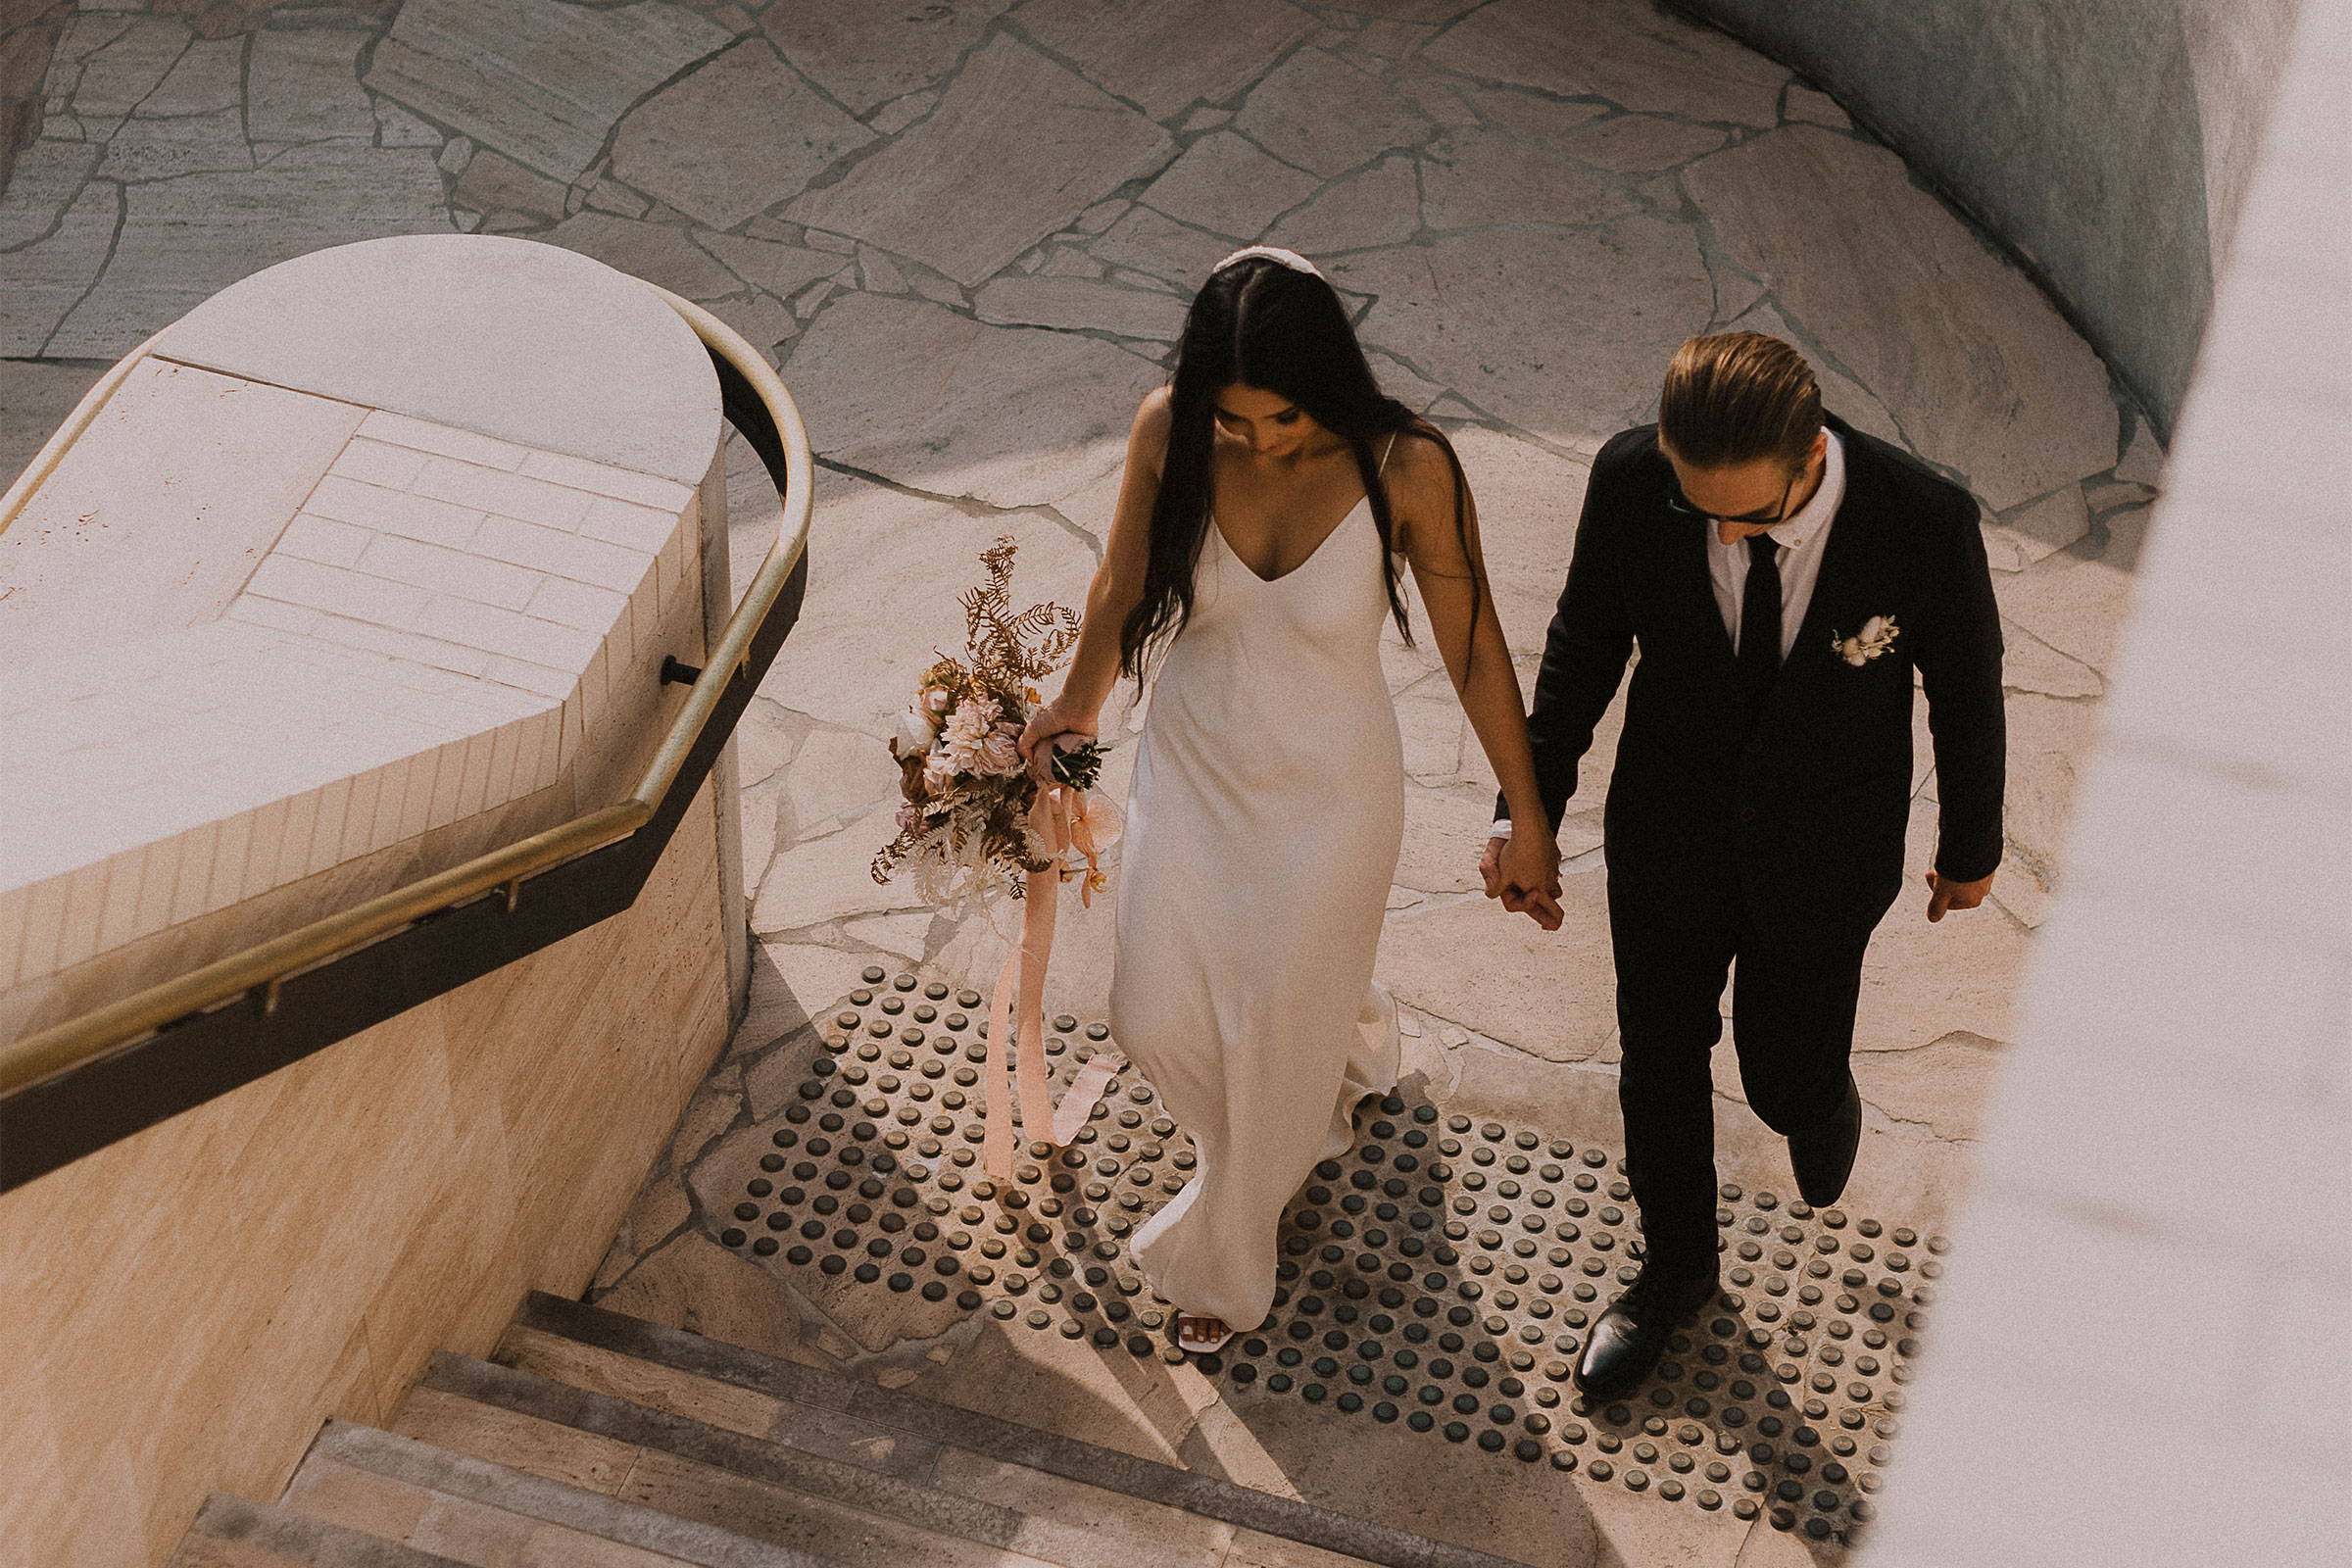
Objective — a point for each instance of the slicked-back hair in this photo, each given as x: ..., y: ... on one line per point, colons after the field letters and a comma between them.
x: 1736, y: 398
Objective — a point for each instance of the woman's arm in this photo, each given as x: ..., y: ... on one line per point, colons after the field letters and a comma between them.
x: 1118, y: 583
x: 1450, y: 571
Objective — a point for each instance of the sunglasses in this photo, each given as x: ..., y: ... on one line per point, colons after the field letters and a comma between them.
x: 1680, y: 504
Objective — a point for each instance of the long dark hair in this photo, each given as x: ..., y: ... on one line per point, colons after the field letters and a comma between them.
x: 1265, y: 324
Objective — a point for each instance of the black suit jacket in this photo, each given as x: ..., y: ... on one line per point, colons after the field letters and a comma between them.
x: 1808, y: 805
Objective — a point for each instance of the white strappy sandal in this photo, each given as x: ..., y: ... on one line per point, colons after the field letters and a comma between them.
x: 1200, y: 1345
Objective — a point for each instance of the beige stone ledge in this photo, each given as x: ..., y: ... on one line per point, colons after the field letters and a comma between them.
x: 291, y: 613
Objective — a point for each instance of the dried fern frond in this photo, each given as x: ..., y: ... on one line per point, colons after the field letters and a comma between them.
x: 1007, y: 647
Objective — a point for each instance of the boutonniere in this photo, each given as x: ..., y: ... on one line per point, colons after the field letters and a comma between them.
x: 1877, y: 635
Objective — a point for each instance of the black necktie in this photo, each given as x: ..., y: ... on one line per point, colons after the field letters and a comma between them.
x: 1761, y: 620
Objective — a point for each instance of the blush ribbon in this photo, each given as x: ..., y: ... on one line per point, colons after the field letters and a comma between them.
x: 1065, y: 820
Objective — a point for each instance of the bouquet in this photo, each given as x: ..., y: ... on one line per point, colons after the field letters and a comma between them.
x: 975, y: 823
x: 966, y: 828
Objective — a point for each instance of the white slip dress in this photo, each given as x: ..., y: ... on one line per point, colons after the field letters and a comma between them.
x: 1263, y: 830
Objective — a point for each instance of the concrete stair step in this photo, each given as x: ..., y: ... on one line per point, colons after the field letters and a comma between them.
x: 1067, y: 1523
x: 598, y: 1440
x: 232, y: 1532
x: 488, y: 1515
x: 1080, y: 1506
x: 817, y: 1507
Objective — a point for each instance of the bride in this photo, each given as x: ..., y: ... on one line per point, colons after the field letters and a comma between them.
x: 1254, y: 555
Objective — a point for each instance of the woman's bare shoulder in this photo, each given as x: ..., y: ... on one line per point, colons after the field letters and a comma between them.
x: 1417, y: 465
x: 1416, y: 447
x: 1156, y: 412
x: 1154, y: 417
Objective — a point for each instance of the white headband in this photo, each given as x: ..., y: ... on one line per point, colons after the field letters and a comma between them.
x: 1272, y: 252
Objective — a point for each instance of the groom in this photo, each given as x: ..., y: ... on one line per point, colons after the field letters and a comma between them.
x: 1782, y: 576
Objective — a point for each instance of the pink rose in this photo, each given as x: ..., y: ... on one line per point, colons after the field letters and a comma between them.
x: 916, y: 731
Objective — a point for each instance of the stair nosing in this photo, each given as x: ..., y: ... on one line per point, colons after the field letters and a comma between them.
x: 433, y: 1468
x: 892, y: 1499
x: 913, y: 1458
x: 995, y: 1438
x: 288, y: 1533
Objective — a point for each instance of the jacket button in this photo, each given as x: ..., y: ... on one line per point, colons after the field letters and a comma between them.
x: 1747, y: 813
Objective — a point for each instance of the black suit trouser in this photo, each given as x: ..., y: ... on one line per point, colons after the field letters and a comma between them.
x: 1794, y: 983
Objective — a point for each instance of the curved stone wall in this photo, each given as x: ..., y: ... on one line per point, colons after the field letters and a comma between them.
x: 2158, y: 1224
x: 2106, y: 141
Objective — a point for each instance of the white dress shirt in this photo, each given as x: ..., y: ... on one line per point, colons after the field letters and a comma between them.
x: 1802, y: 540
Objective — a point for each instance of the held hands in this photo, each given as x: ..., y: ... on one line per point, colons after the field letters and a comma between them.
x: 1524, y: 872
x: 1945, y: 894
x: 1066, y: 729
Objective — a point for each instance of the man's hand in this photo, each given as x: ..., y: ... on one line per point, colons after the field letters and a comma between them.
x: 1490, y: 866
x: 1944, y: 894
x: 1531, y: 884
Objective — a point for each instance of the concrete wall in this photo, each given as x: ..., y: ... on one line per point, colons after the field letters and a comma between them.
x: 2138, y: 1359
x: 185, y: 1307
x: 2108, y: 141
x: 227, y: 710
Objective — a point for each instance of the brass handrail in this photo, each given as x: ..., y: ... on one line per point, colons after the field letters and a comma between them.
x: 65, y: 1047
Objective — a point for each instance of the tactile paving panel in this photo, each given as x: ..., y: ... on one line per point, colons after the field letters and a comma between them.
x: 1438, y: 1279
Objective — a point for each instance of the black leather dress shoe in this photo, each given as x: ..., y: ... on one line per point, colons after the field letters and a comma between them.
x: 1823, y: 1157
x: 1630, y: 1336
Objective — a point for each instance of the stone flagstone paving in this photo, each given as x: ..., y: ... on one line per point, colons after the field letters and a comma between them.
x: 965, y: 232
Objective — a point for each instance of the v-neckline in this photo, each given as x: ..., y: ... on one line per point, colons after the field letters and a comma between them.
x: 1219, y: 529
